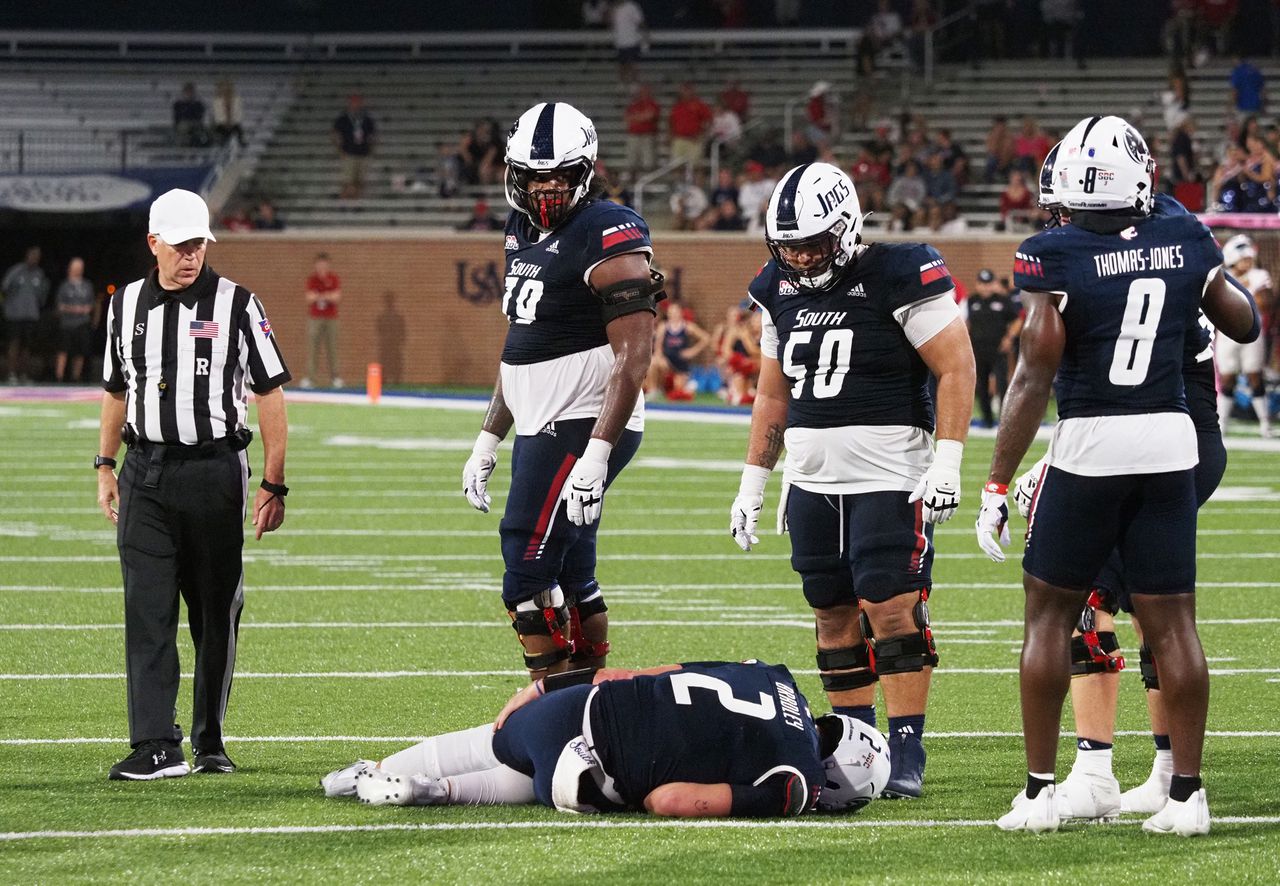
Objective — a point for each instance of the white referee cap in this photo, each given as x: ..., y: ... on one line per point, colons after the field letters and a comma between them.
x: 178, y: 216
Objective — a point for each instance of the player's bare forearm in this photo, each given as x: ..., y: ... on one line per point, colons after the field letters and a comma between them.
x: 949, y: 356
x: 1230, y: 307
x: 631, y: 337
x: 112, y: 421
x: 768, y: 416
x: 682, y: 799
x: 273, y: 425
x: 498, y: 418
x: 1043, y: 338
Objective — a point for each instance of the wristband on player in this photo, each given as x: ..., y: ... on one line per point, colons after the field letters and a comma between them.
x: 486, y: 443
x: 279, y: 490
x: 947, y: 454
x: 565, y: 679
x: 597, y: 450
x: 753, y: 480
x: 997, y: 488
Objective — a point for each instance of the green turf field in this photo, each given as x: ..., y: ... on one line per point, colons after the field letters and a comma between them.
x: 373, y: 617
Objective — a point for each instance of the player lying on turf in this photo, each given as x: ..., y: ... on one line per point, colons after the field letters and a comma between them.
x: 690, y: 740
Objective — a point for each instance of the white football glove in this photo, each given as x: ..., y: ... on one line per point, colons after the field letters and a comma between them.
x: 993, y: 521
x: 1025, y: 491
x: 476, y: 472
x: 584, y: 490
x: 744, y: 516
x: 939, y: 488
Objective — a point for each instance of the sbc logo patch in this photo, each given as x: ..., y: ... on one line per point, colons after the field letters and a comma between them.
x: 265, y: 325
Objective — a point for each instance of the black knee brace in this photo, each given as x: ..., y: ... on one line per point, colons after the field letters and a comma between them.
x: 580, y: 611
x: 546, y: 615
x: 1091, y: 651
x: 904, y: 653
x: 1147, y: 667
x: 853, y: 661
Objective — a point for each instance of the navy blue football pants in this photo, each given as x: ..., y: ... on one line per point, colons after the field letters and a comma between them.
x: 540, y: 547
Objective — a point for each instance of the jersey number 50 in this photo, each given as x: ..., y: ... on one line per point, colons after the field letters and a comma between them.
x: 1132, y: 356
x: 682, y: 682
x: 526, y: 302
x: 835, y: 353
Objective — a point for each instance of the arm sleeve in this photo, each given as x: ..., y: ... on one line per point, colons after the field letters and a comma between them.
x: 768, y: 336
x: 112, y: 373
x: 260, y: 356
x: 783, y: 793
x: 925, y: 319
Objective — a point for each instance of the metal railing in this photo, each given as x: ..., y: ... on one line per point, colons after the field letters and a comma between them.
x: 31, y: 151
x: 930, y: 37
x: 661, y: 172
x: 717, y: 148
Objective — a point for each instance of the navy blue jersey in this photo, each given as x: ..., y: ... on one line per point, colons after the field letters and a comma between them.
x: 1200, y: 379
x: 551, y: 310
x: 843, y: 348
x: 710, y: 723
x: 1131, y: 299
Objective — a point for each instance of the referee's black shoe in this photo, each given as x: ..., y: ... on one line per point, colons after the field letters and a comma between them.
x: 151, y: 760
x: 213, y: 762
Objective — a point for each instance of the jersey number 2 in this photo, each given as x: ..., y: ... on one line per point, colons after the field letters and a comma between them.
x: 683, y: 681
x: 1132, y: 356
x: 526, y: 300
x: 835, y: 353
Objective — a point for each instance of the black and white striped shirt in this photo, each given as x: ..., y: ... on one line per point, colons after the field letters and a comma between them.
x: 184, y: 358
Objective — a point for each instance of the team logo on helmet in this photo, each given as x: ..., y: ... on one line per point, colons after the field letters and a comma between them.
x: 1134, y: 144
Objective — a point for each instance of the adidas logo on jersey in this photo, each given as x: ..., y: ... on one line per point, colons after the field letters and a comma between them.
x: 512, y: 242
x: 858, y: 292
x: 554, y: 248
x: 786, y: 287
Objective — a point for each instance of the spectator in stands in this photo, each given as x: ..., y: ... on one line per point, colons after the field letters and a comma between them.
x: 883, y: 32
x: 1184, y: 177
x: 1031, y: 146
x: 726, y: 187
x: 481, y: 218
x: 188, y: 118
x: 1178, y: 34
x: 266, y: 218
x: 906, y: 197
x: 618, y: 191
x: 726, y: 216
x: 1227, y: 180
x: 754, y: 194
x: 688, y: 202
x: 324, y: 293
x: 481, y: 153
x: 74, y: 302
x: 1016, y: 201
x: 1258, y: 178
x: 820, y: 113
x: 923, y: 20
x: 870, y: 177
x: 736, y: 99
x: 999, y: 147
x: 1061, y: 29
x: 237, y: 220
x: 945, y: 218
x: 25, y: 289
x: 354, y: 135
x: 1248, y: 89
x: 641, y: 118
x: 687, y: 125
x: 1175, y: 98
x: 953, y: 156
x: 1215, y: 18
x: 769, y: 151
x: 940, y: 184
x: 228, y: 113
x: 726, y: 128
x: 737, y: 351
x: 595, y: 14
x: 630, y: 32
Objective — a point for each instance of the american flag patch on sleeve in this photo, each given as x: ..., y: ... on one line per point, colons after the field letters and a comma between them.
x: 611, y: 237
x: 1027, y: 265
x: 934, y: 270
x: 203, y: 329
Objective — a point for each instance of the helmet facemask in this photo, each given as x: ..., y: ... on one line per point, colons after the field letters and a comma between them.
x: 826, y: 268
x: 547, y: 207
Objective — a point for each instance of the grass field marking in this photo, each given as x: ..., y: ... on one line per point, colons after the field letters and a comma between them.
x: 576, y: 823
x: 412, y: 739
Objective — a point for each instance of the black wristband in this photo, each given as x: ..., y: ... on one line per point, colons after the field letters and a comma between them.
x: 565, y: 679
x: 277, y: 489
x: 104, y: 461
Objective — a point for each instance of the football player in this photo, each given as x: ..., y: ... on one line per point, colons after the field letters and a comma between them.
x: 1111, y: 300
x: 1233, y: 358
x: 850, y: 335
x: 581, y: 301
x: 1091, y: 790
x: 690, y: 740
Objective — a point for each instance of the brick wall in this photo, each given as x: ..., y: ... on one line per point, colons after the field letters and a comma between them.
x: 427, y: 306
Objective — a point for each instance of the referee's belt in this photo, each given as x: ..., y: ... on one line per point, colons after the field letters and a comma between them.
x: 185, y: 451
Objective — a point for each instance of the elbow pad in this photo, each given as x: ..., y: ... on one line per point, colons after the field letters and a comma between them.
x: 629, y: 296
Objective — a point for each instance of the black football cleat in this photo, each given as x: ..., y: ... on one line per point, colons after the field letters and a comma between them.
x: 906, y: 767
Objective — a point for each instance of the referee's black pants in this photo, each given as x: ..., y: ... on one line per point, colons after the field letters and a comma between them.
x: 181, y: 531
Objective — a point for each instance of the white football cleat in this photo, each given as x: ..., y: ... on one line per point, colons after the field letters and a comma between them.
x: 1187, y: 818
x: 342, y: 782
x: 1151, y: 795
x: 1037, y: 816
x: 1088, y: 795
x: 377, y: 787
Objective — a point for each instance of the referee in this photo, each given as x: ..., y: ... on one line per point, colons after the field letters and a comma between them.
x: 182, y: 344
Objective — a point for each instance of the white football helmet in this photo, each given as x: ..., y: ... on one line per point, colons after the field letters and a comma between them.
x: 550, y: 136
x: 1237, y: 249
x: 1047, y: 200
x: 1104, y: 164
x: 858, y: 769
x: 814, y: 206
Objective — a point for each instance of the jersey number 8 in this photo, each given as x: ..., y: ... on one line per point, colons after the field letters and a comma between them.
x: 1132, y: 356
